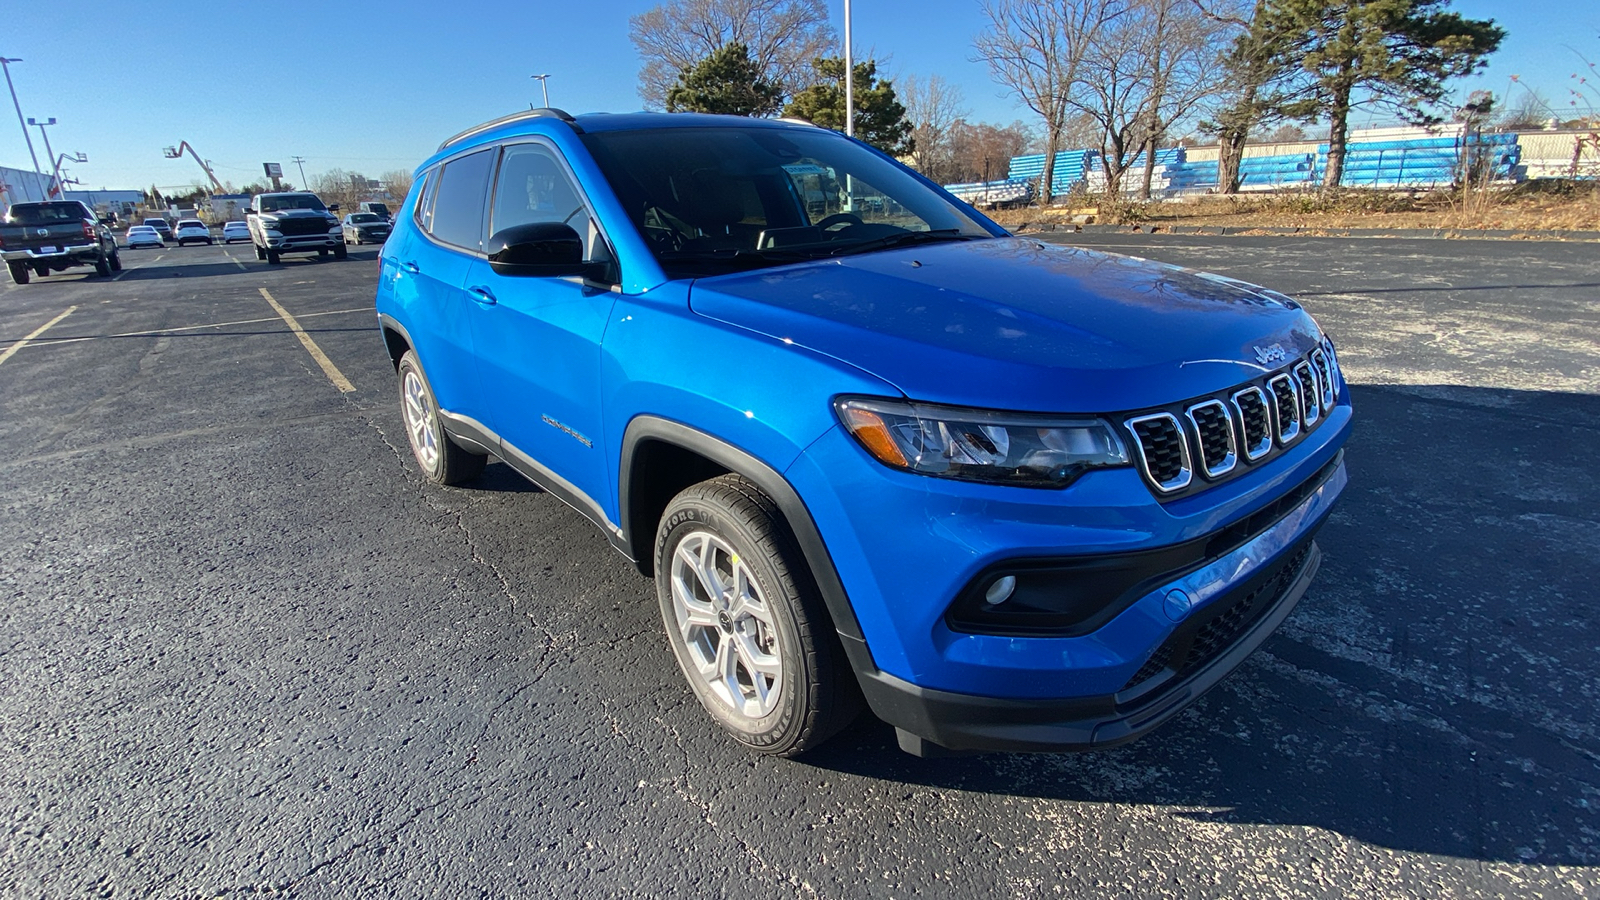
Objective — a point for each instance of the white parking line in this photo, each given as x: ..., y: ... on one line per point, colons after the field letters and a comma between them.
x: 328, y: 368
x: 36, y: 332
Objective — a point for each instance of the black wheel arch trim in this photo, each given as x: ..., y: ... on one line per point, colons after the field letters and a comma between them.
x: 640, y: 546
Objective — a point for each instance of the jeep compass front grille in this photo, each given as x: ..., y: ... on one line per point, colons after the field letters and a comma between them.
x: 1214, y: 437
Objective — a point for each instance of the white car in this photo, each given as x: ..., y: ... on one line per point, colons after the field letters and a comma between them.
x: 143, y: 236
x: 235, y: 231
x: 191, y: 230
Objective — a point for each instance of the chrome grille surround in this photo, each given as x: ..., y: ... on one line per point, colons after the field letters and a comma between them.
x: 1324, y: 370
x: 1212, y: 439
x: 1310, y: 393
x: 1189, y: 446
x: 1161, y: 426
x: 1250, y: 403
x: 1285, y: 408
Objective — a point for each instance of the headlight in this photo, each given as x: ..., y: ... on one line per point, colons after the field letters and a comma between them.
x: 981, y: 445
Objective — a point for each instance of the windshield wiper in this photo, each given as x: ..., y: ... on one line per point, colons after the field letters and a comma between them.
x: 902, y: 240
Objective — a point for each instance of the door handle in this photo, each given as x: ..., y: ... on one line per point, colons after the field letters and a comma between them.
x: 411, y: 267
x: 482, y: 295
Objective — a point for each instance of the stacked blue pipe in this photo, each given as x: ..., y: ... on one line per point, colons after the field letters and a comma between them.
x: 1069, y: 170
x: 1420, y: 162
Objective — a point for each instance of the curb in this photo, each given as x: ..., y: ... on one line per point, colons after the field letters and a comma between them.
x: 1310, y: 231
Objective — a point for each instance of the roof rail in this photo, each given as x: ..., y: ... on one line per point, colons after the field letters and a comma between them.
x: 795, y: 120
x: 543, y: 112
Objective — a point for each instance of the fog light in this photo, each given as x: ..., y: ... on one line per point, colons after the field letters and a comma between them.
x: 1000, y: 591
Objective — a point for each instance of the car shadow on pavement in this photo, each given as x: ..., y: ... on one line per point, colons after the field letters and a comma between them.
x: 1434, y: 691
x: 497, y: 476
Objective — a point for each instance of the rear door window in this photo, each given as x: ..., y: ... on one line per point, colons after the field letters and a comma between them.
x: 458, y: 207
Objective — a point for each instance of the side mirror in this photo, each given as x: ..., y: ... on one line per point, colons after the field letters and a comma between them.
x: 541, y: 249
x: 249, y: 212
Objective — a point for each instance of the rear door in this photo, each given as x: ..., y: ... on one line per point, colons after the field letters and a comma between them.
x: 538, y: 339
x: 432, y: 263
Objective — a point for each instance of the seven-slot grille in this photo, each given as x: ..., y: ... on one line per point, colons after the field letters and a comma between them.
x: 1213, y: 435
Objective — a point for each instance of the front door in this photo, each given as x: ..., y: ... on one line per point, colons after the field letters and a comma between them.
x: 538, y: 339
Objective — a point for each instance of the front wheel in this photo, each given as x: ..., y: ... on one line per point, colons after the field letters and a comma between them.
x: 260, y: 253
x: 340, y: 252
x: 442, y: 460
x: 102, y: 265
x: 745, y: 620
x: 272, y: 257
x: 116, y: 261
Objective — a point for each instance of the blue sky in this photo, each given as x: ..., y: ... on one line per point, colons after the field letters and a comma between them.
x: 376, y: 86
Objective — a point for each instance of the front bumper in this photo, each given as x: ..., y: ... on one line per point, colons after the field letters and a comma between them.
x: 304, y: 242
x: 1237, y: 602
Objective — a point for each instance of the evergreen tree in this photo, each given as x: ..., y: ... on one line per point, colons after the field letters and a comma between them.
x: 1398, y: 53
x: 880, y: 119
x: 727, y: 82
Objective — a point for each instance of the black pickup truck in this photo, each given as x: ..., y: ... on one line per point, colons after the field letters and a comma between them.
x: 40, y: 238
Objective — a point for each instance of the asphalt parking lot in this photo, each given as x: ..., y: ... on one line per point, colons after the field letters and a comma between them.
x: 246, y: 650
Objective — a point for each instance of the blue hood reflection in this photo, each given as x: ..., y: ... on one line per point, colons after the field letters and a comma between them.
x: 1010, y: 323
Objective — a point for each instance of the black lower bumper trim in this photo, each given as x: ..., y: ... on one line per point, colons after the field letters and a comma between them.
x: 965, y: 722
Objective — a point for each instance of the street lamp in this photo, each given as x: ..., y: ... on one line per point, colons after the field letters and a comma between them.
x: 5, y: 63
x: 544, y: 87
x: 55, y: 171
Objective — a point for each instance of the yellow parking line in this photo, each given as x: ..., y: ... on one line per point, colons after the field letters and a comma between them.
x: 55, y: 342
x: 328, y: 368
x: 36, y: 332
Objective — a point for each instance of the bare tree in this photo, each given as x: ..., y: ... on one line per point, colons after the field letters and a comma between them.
x: 397, y: 183
x: 782, y: 36
x: 344, y: 188
x: 982, y: 152
x: 1185, y: 50
x: 1036, y: 48
x: 933, y: 106
x: 1149, y: 67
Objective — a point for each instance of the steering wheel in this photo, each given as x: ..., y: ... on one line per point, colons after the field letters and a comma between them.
x: 843, y: 218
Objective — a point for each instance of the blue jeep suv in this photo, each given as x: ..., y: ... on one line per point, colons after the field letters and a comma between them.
x: 871, y: 447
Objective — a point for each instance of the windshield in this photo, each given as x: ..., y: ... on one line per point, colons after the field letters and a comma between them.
x: 713, y: 200
x: 46, y: 213
x: 366, y: 217
x: 291, y: 201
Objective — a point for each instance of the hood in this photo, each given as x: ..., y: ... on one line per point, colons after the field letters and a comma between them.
x: 298, y: 214
x: 1015, y: 324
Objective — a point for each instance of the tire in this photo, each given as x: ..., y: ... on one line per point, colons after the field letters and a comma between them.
x: 41, y: 271
x: 102, y: 266
x: 272, y: 257
x: 260, y: 253
x: 116, y: 261
x: 340, y: 252
x: 765, y: 663
x: 441, y: 459
x: 19, y: 273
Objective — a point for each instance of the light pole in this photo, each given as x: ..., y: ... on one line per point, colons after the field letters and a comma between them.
x: 5, y: 63
x: 55, y: 171
x: 849, y: 77
x: 543, y: 87
x: 301, y: 162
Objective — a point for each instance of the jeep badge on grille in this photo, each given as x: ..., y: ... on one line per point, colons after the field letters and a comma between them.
x: 1269, y: 355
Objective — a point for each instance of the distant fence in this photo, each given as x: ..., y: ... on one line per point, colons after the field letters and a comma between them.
x: 1381, y: 158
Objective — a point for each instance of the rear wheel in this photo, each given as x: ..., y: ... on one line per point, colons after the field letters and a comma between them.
x: 745, y: 620
x: 442, y: 460
x: 19, y: 272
